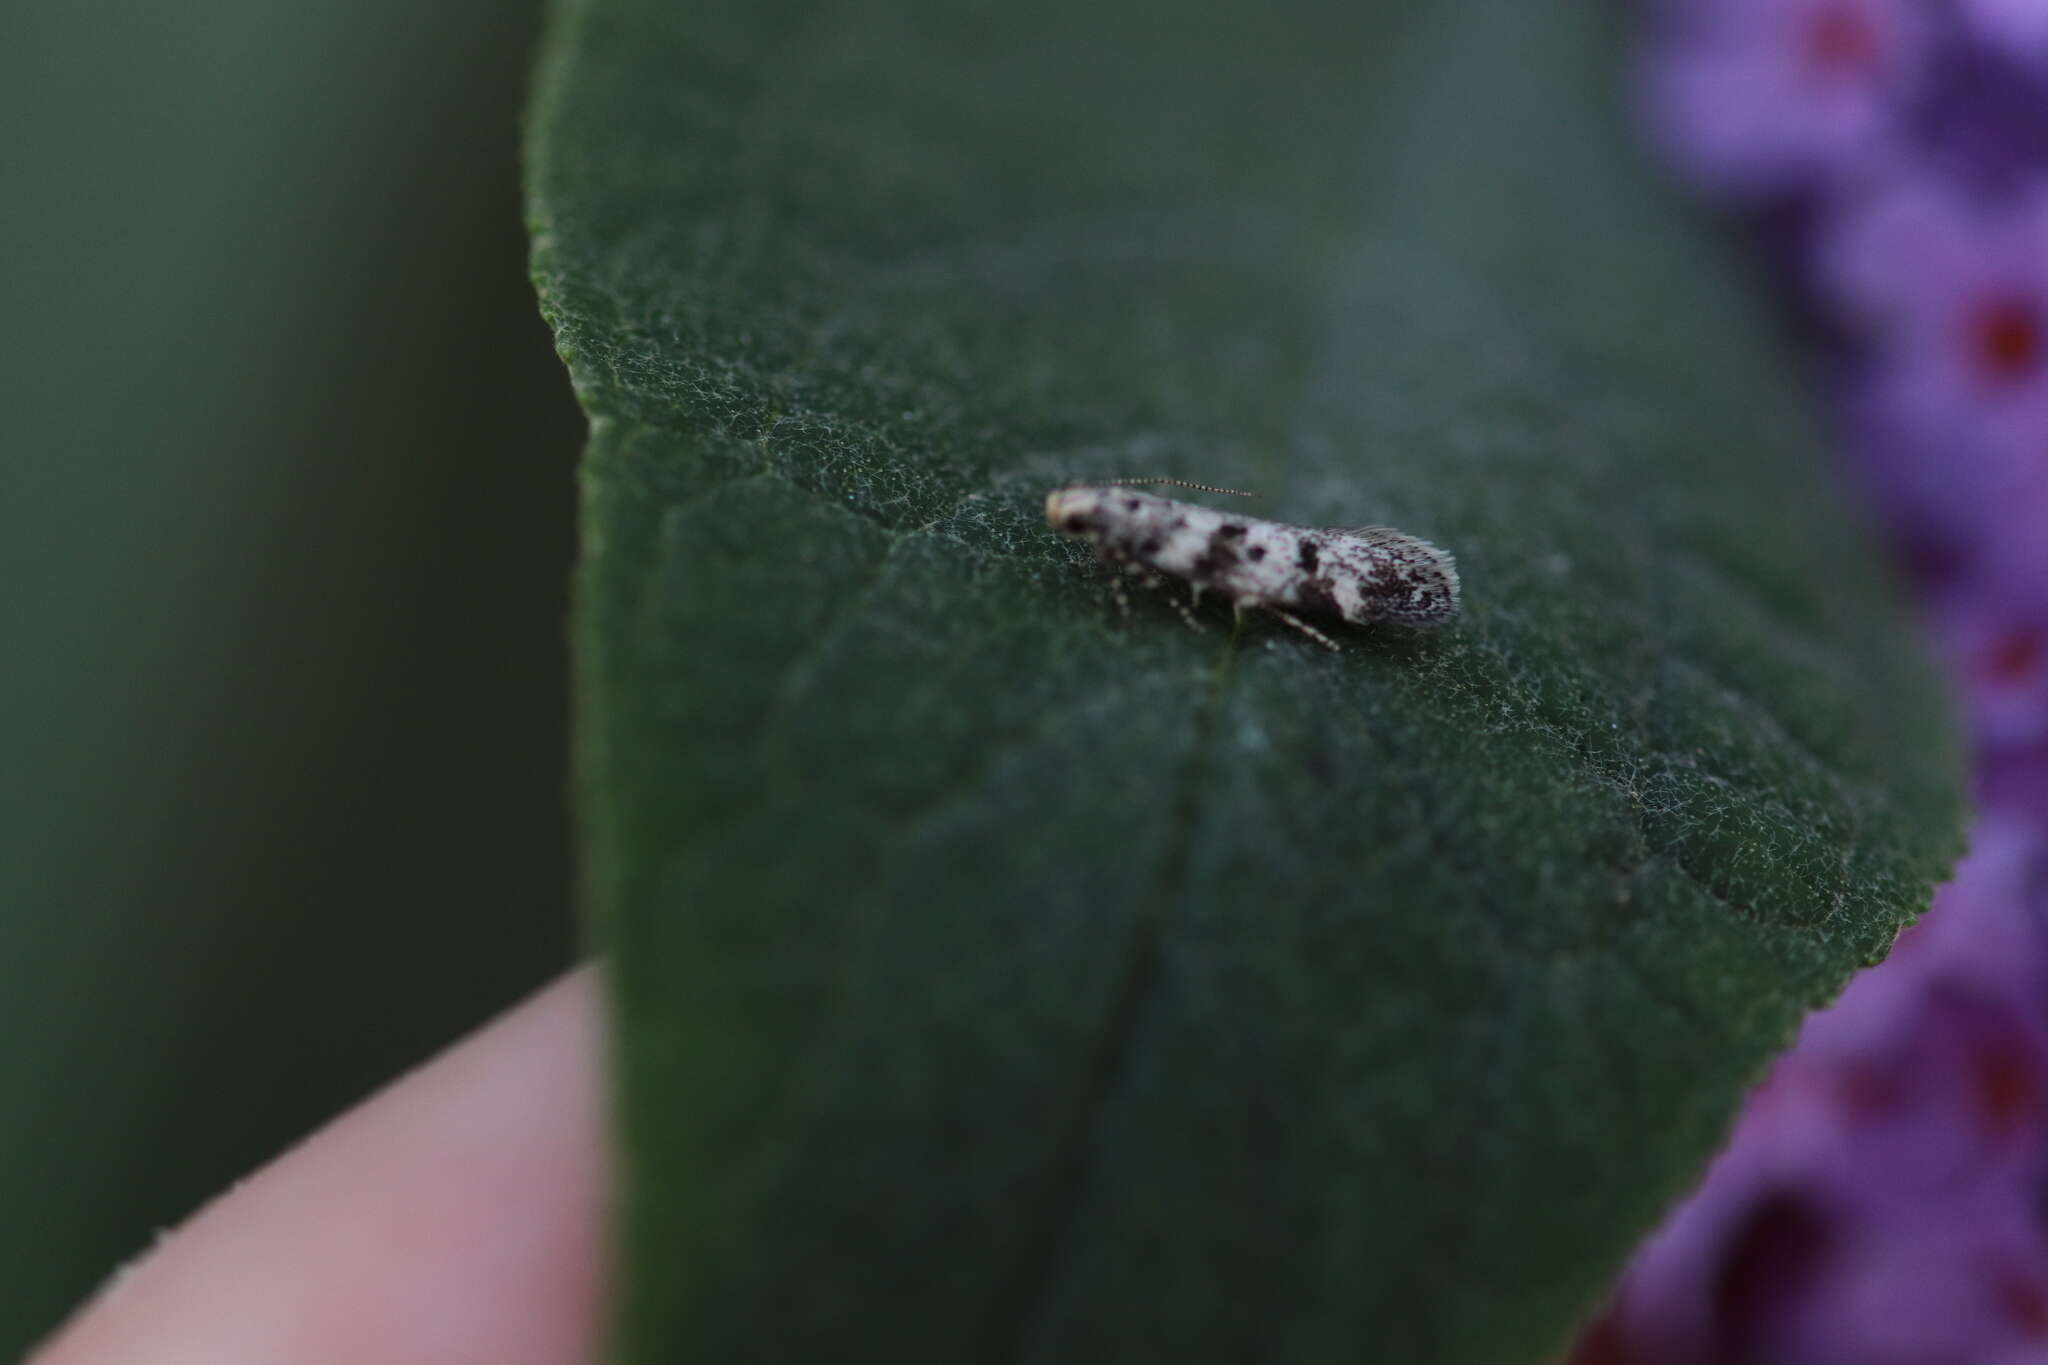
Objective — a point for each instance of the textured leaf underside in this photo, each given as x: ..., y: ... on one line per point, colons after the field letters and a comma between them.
x: 997, y: 980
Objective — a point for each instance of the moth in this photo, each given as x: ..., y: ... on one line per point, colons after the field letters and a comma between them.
x: 1366, y: 575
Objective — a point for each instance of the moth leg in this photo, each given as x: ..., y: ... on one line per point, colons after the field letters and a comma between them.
x: 1114, y: 562
x: 1306, y: 629
x: 1158, y: 582
x: 1187, y: 608
x: 1155, y: 581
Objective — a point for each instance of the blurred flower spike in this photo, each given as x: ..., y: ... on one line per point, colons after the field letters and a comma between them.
x: 1753, y: 97
x: 1884, y: 1199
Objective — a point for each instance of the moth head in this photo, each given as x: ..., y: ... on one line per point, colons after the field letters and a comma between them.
x: 1076, y: 511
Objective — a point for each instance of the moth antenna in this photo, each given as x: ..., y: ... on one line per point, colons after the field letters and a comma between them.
x: 1177, y: 483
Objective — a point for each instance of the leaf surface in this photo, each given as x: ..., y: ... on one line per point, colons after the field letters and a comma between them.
x: 997, y: 980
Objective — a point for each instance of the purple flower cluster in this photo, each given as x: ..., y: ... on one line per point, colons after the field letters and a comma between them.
x: 1884, y: 1200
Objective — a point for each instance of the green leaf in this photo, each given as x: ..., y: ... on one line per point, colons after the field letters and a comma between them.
x: 997, y: 980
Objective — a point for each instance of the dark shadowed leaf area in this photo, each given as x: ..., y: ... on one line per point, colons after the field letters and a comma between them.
x: 998, y: 980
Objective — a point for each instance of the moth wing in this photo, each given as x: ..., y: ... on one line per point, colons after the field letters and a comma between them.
x: 1413, y: 550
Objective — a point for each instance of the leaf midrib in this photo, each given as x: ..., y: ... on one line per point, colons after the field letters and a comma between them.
x: 1023, y: 1299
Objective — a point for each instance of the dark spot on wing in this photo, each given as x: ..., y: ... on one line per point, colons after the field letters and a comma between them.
x: 1220, y: 556
x: 1316, y: 597
x: 1309, y: 555
x: 1149, y: 545
x: 1256, y: 553
x: 1230, y: 530
x: 1130, y: 504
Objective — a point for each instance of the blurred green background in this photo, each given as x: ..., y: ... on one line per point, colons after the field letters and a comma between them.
x: 286, y: 517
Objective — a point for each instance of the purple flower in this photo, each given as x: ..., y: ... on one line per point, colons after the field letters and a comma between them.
x: 1949, y: 295
x: 2016, y: 778
x: 1997, y: 645
x: 1884, y: 1198
x: 1988, y: 927
x: 1984, y: 115
x: 1958, y: 1288
x: 2017, y: 27
x: 1753, y: 97
x: 1945, y: 298
x: 1879, y: 1200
